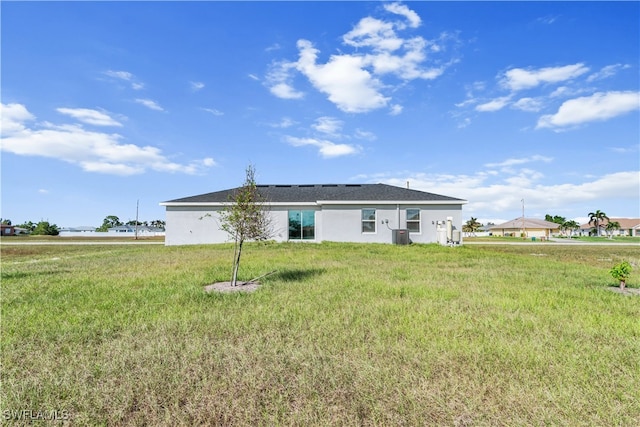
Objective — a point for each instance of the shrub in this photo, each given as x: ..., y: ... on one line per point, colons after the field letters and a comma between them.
x: 621, y: 272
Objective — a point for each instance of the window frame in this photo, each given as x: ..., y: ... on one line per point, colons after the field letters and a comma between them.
x: 364, y: 221
x: 301, y: 212
x: 414, y: 221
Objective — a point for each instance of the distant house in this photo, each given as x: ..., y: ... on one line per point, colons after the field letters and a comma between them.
x: 628, y: 227
x: 8, y: 230
x: 527, y: 227
x: 142, y: 230
x: 325, y: 212
x: 120, y: 231
x: 76, y: 231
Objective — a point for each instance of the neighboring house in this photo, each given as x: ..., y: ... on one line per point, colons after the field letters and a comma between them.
x: 142, y: 230
x: 483, y: 231
x: 130, y: 230
x: 529, y: 227
x: 628, y: 227
x: 7, y: 230
x: 330, y: 212
x: 76, y: 231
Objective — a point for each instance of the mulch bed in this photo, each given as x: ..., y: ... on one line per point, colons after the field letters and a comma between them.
x: 226, y: 287
x: 254, y: 286
x: 626, y: 291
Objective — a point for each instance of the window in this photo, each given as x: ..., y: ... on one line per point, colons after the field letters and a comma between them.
x: 368, y: 220
x: 302, y: 225
x: 413, y: 220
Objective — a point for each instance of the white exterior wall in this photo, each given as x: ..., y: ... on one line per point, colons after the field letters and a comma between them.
x: 193, y: 225
x: 188, y: 225
x: 343, y: 223
x: 516, y: 232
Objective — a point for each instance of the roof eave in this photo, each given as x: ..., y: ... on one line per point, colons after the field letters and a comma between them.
x: 327, y: 202
x: 392, y: 202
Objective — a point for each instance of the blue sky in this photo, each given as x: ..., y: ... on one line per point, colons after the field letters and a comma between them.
x: 108, y: 103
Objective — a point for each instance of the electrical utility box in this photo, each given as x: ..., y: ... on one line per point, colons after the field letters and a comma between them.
x: 400, y: 237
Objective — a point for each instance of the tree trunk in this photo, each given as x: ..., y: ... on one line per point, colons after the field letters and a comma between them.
x: 236, y: 264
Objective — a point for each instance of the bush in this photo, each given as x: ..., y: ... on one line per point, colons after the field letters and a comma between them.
x: 43, y: 228
x: 621, y: 272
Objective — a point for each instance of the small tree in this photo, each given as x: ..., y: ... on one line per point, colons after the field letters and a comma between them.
x: 29, y: 226
x: 245, y: 218
x: 158, y: 223
x: 109, y: 222
x: 621, y: 272
x: 43, y: 228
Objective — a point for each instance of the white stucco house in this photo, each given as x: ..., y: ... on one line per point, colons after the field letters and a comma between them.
x: 119, y: 231
x: 375, y: 213
x: 526, y: 227
x: 628, y: 227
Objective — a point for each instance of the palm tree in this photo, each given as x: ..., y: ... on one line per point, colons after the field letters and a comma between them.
x: 570, y: 225
x: 596, y: 218
x: 612, y: 225
x: 471, y: 226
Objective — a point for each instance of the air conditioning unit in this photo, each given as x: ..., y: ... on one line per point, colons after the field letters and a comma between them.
x: 400, y: 237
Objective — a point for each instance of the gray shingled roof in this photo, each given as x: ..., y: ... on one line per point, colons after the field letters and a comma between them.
x: 324, y: 192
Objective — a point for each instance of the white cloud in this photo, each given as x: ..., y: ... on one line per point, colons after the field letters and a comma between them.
x: 122, y: 75
x: 13, y: 118
x: 396, y: 110
x: 286, y: 91
x: 400, y: 9
x: 599, y: 106
x: 464, y: 123
x: 608, y: 71
x: 327, y: 149
x: 354, y: 81
x: 363, y: 134
x: 208, y: 162
x: 502, y: 194
x: 349, y: 86
x: 547, y: 20
x: 91, y: 117
x: 328, y: 125
x: 625, y: 150
x: 279, y: 80
x: 213, y: 111
x: 518, y: 78
x: 196, y: 86
x: 494, y: 104
x: 528, y: 104
x: 520, y: 161
x: 152, y: 105
x: 127, y: 77
x: 286, y: 122
x: 92, y: 151
x: 374, y: 33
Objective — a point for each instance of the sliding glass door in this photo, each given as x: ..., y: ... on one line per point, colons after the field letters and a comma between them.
x: 302, y: 225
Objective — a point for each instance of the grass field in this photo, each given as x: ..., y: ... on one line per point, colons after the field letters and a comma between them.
x: 342, y: 334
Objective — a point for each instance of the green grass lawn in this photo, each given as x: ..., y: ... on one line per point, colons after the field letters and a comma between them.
x: 342, y: 334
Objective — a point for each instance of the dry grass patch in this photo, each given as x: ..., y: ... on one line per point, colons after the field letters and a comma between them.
x: 342, y: 334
